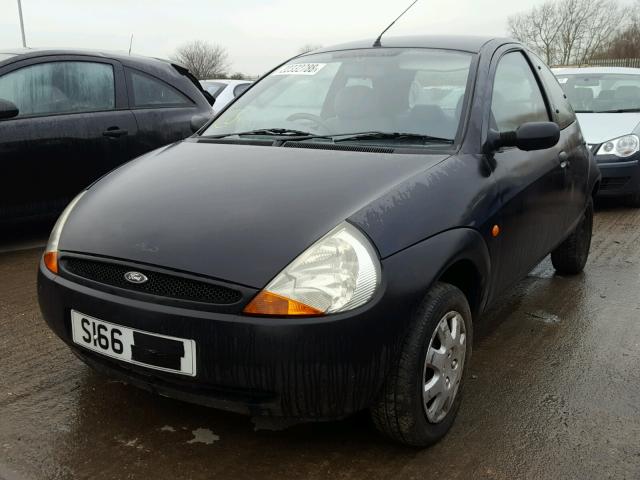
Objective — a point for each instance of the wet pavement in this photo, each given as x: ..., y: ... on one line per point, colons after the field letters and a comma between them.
x: 554, y: 393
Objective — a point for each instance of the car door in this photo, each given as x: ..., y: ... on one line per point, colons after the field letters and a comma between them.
x: 163, y: 112
x: 574, y: 154
x: 72, y: 127
x: 531, y: 185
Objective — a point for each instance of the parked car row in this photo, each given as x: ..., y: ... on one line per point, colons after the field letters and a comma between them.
x: 607, y: 102
x: 326, y: 243
x: 68, y: 117
x: 224, y: 91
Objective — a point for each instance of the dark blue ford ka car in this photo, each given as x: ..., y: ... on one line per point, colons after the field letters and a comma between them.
x: 326, y: 243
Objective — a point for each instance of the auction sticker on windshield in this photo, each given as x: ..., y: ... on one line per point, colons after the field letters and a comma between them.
x: 300, y: 69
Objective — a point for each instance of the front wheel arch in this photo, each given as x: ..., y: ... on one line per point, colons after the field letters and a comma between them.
x: 458, y: 256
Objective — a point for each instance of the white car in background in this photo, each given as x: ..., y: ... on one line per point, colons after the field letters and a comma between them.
x: 224, y: 90
x: 607, y: 104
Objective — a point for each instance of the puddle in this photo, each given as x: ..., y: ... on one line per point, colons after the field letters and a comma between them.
x: 546, y: 317
x: 203, y: 435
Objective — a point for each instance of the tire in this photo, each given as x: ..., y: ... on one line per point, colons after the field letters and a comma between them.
x: 633, y: 200
x: 399, y: 412
x: 571, y: 256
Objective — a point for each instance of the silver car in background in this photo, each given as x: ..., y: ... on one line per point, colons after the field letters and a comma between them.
x: 607, y: 104
x: 224, y: 90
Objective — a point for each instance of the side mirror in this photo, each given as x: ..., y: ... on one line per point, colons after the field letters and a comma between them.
x: 197, y: 121
x: 8, y: 109
x: 529, y: 136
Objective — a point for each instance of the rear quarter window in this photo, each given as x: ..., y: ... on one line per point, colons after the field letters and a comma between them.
x: 150, y: 92
x: 239, y: 89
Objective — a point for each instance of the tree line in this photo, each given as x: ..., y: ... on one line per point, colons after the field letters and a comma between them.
x: 208, y: 61
x: 573, y: 32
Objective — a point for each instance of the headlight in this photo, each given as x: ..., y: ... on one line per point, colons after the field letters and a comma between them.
x: 620, y: 147
x: 339, y: 272
x: 51, y: 252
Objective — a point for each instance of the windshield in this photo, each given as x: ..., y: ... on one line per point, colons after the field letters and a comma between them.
x: 602, y: 92
x: 389, y: 90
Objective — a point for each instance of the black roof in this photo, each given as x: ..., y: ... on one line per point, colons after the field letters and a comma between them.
x: 24, y: 53
x: 465, y: 43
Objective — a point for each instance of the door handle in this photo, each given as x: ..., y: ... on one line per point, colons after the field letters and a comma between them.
x: 564, y: 160
x: 115, y: 132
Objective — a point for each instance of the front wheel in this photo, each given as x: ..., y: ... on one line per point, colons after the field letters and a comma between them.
x: 571, y: 256
x: 422, y: 394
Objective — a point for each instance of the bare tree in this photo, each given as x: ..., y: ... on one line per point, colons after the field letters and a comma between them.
x: 308, y: 47
x: 540, y: 29
x: 569, y: 31
x: 626, y: 44
x: 203, y: 59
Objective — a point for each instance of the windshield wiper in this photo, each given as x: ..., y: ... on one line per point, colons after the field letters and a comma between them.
x: 390, y: 136
x: 276, y: 132
x: 621, y: 110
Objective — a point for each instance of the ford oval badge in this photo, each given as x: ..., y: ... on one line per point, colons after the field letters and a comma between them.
x: 135, y: 277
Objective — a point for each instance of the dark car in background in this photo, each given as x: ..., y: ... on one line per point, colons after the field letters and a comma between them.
x: 69, y: 117
x: 327, y: 243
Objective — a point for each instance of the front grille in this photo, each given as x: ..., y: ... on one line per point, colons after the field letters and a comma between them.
x: 160, y: 284
x: 613, y: 183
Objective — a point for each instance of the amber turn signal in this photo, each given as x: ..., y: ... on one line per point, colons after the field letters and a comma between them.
x: 267, y: 303
x: 51, y: 261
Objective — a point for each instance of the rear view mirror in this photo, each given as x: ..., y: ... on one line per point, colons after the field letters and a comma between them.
x: 528, y: 136
x: 8, y: 109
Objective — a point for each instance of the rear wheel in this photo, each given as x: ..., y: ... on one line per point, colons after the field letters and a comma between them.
x: 571, y: 256
x: 422, y: 394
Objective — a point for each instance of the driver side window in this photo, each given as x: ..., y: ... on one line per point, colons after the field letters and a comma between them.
x: 516, y: 95
x: 60, y: 87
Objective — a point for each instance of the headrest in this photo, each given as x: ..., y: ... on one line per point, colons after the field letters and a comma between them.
x: 584, y: 93
x: 357, y: 101
x: 627, y: 91
x: 606, y: 95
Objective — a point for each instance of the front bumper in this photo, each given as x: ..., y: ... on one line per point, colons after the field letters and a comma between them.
x: 619, y: 178
x: 310, y: 368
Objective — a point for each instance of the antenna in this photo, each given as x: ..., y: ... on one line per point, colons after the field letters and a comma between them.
x: 130, y: 44
x: 377, y: 42
x: 24, y: 41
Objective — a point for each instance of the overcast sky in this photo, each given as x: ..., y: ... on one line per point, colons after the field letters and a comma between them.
x: 257, y: 34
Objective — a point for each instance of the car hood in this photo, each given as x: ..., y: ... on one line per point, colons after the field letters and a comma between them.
x: 600, y: 127
x: 238, y: 213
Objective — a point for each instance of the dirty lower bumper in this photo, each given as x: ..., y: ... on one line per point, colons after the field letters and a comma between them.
x: 620, y: 178
x: 316, y: 368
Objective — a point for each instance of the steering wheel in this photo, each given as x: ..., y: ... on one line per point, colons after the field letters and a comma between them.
x: 311, y: 117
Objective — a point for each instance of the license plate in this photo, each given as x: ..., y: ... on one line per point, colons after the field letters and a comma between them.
x: 160, y: 352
